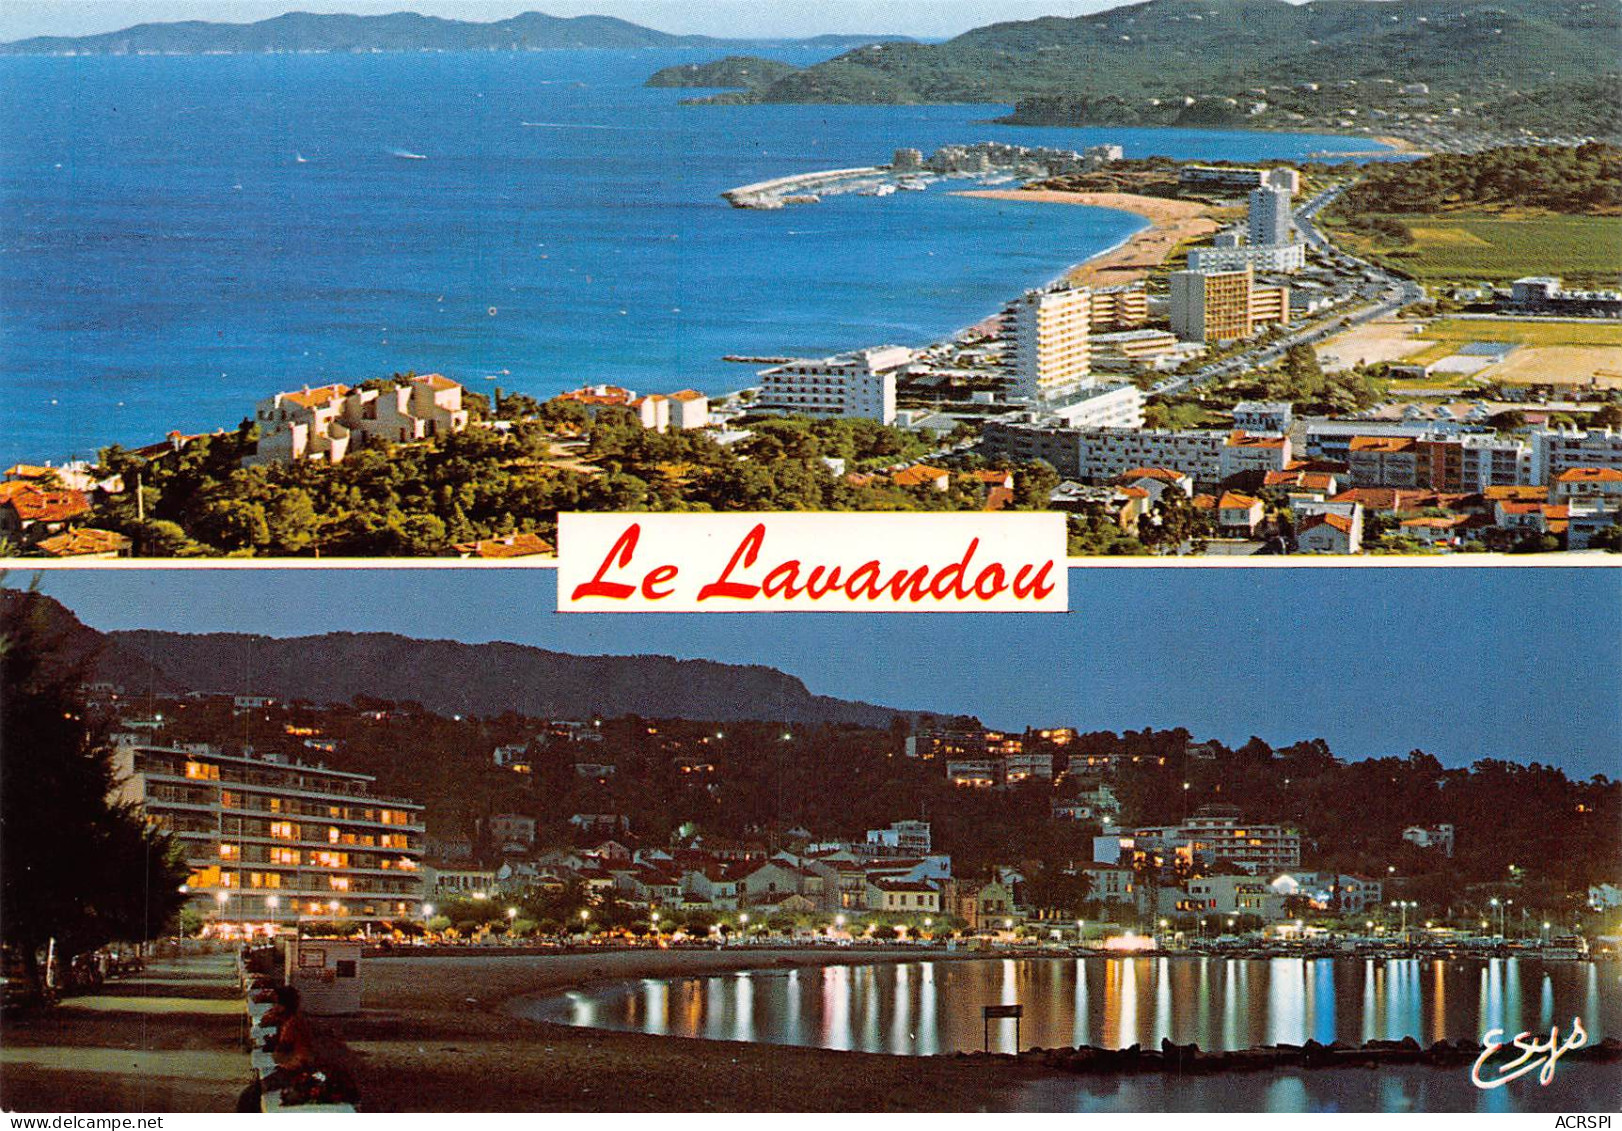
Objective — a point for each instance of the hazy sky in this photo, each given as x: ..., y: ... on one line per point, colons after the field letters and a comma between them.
x: 732, y: 18
x: 1463, y: 663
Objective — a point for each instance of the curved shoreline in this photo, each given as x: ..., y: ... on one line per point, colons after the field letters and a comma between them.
x: 435, y: 1035
x: 441, y: 1034
x: 1172, y: 223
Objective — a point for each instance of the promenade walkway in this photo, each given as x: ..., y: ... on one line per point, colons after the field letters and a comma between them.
x: 167, y: 1040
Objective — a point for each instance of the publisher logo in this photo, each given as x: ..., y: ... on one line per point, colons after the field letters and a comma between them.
x: 811, y: 563
x: 1536, y: 1055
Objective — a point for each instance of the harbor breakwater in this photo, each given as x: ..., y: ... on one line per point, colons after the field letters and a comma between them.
x: 803, y: 188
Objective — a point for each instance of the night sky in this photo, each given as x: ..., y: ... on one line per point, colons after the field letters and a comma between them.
x: 1463, y: 663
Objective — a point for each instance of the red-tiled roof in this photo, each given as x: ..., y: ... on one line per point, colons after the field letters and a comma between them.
x: 38, y: 504
x: 1339, y: 522
x: 1167, y: 474
x: 1387, y: 444
x: 1589, y: 475
x: 1233, y: 500
x: 315, y: 398
x: 920, y: 475
x: 1246, y: 440
x: 510, y: 546
x: 83, y: 543
x: 999, y: 497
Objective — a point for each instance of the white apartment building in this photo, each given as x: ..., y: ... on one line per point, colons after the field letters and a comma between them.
x: 1558, y: 450
x: 326, y: 423
x: 1117, y: 405
x: 1270, y: 220
x: 1263, y: 416
x: 1220, y: 896
x: 1026, y: 765
x: 1257, y: 453
x: 268, y: 840
x: 860, y: 383
x: 910, y: 837
x: 1274, y: 259
x: 1111, y: 452
x: 1045, y: 343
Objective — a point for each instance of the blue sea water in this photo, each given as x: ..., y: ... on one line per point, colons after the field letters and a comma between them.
x: 166, y: 258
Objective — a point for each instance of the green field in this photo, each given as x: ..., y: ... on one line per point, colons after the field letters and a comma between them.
x: 1583, y: 250
x: 1527, y: 333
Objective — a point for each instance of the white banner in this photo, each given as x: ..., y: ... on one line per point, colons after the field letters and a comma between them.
x: 812, y: 562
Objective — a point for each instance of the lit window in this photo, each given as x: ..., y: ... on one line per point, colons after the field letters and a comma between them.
x: 285, y: 830
x: 229, y: 852
x: 202, y: 772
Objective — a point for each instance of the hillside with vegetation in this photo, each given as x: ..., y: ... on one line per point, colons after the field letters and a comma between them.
x: 1492, y: 216
x: 1586, y: 180
x: 507, y: 476
x: 1142, y: 63
x: 744, y: 72
x: 395, y: 31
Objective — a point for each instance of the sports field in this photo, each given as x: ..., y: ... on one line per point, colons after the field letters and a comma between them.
x: 1527, y: 332
x: 1550, y: 352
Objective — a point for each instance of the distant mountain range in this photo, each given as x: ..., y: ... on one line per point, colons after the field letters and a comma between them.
x: 401, y: 31
x: 1181, y: 48
x: 446, y: 676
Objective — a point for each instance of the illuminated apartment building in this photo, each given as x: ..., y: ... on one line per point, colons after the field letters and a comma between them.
x: 273, y: 841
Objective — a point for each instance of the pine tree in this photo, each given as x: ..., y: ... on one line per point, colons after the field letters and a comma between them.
x: 81, y: 867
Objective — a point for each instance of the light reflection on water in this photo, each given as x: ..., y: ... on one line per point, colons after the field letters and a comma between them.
x: 927, y: 1007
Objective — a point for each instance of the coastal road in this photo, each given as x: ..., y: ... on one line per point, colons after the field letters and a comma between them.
x: 1382, y: 292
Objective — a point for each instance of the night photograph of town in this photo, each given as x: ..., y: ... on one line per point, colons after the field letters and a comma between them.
x: 1171, y: 852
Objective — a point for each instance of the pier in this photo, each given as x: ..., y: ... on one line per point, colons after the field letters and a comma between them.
x: 801, y: 188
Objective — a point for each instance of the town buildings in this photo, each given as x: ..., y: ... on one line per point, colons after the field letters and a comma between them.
x: 1267, y: 259
x: 1099, y: 455
x: 272, y: 840
x: 1045, y: 335
x: 1213, y: 834
x: 326, y: 423
x: 860, y: 383
x: 1271, y: 223
x: 1224, y: 306
x: 1544, y: 294
x: 1234, y: 180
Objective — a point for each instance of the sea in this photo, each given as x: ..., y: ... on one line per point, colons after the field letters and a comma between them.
x: 182, y: 236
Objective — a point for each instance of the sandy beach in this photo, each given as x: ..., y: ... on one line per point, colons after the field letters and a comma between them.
x: 435, y: 1035
x: 1172, y: 224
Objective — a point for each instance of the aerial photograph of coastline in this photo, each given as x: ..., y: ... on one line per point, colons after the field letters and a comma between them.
x: 1231, y: 278
x: 409, y: 840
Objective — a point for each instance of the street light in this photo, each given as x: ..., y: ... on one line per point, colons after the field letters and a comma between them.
x: 428, y: 911
x: 512, y: 913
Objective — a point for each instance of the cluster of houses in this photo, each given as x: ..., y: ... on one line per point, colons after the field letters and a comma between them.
x: 1212, y: 863
x: 893, y: 871
x: 43, y: 510
x: 1440, y: 489
x: 684, y: 411
x: 327, y: 423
